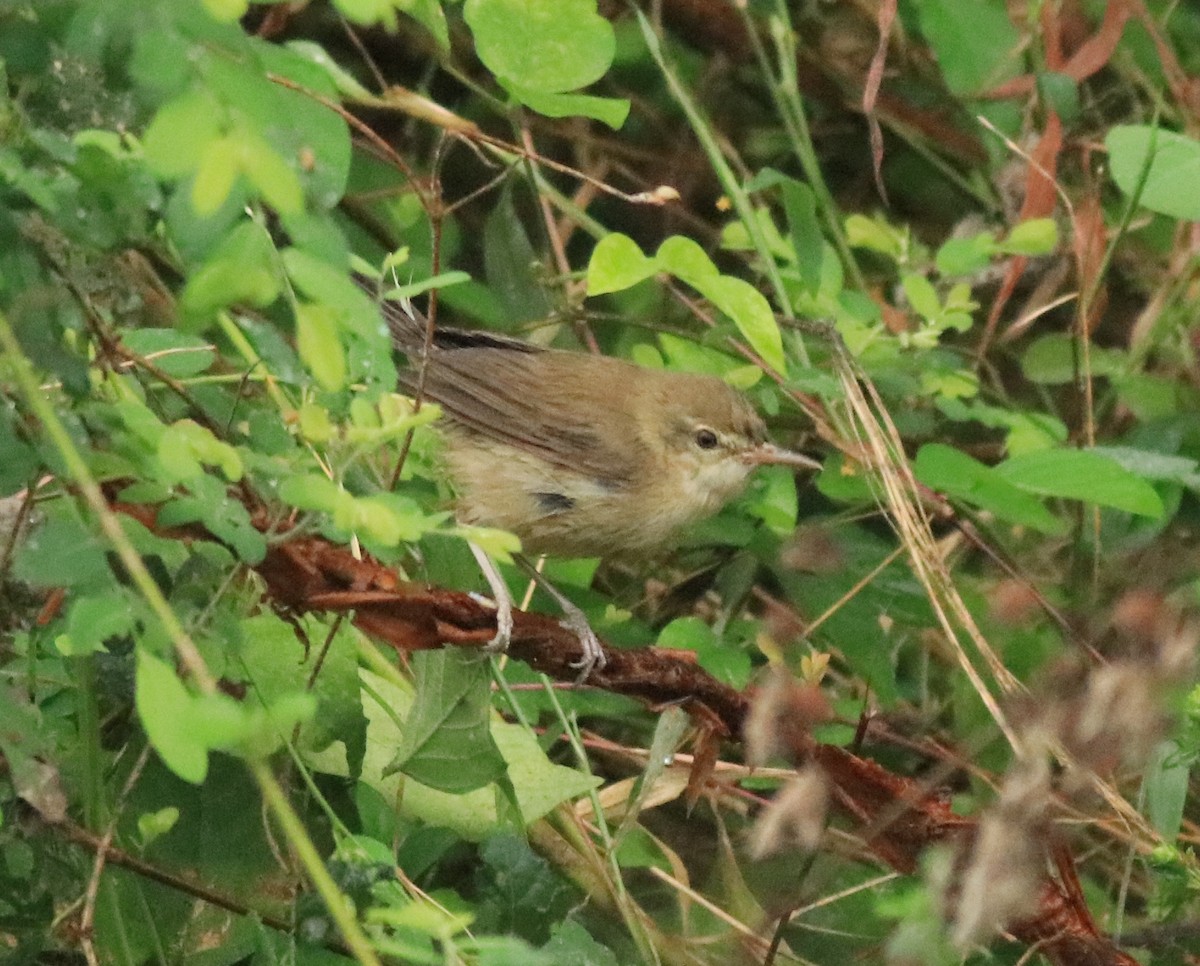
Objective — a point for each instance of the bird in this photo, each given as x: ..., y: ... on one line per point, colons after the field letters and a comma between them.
x: 577, y: 454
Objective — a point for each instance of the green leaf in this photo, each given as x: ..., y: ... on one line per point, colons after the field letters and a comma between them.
x: 62, y: 553
x: 20, y: 459
x: 609, y: 110
x: 94, y: 619
x: 181, y: 132
x: 154, y: 825
x: 512, y: 266
x: 319, y: 346
x: 1054, y: 359
x: 163, y: 704
x: 774, y: 500
x: 741, y: 301
x: 227, y: 11
x: 186, y: 445
x: 877, y: 236
x: 241, y: 270
x: 518, y: 890
x: 1169, y: 162
x: 1077, y: 474
x: 976, y: 44
x: 312, y: 492
x: 961, y: 477
x: 752, y: 314
x: 339, y: 715
x: 1166, y: 786
x: 542, y: 45
x: 277, y: 183
x: 175, y: 353
x: 1037, y: 236
x: 804, y: 228
x: 1060, y: 93
x: 617, y: 263
x: 687, y: 261
x: 1152, y: 465
x: 442, y: 281
x: 922, y: 296
x: 965, y: 256
x: 215, y: 176
x: 447, y: 741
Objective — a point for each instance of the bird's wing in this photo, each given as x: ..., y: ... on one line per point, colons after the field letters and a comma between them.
x: 533, y: 400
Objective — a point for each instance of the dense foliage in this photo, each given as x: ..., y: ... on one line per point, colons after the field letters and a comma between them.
x: 947, y: 245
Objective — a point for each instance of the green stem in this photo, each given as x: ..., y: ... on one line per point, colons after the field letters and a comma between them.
x: 785, y: 91
x: 725, y: 174
x: 185, y: 648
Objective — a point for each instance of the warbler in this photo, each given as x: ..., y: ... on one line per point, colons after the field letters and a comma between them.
x: 579, y: 455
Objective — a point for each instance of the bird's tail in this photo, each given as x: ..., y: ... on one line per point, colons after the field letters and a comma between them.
x: 408, y: 325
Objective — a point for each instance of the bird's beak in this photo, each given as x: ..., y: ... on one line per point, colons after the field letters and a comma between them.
x: 768, y: 454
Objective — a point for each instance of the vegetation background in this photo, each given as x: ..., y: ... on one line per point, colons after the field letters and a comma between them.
x: 936, y: 705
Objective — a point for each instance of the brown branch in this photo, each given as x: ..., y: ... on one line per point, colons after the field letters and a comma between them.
x: 899, y: 817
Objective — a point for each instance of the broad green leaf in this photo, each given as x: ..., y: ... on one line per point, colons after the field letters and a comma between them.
x: 965, y: 256
x: 271, y: 657
x: 319, y: 345
x: 1037, y: 236
x: 94, y: 619
x: 227, y: 11
x: 1055, y: 359
x: 277, y: 183
x: 181, y: 132
x: 609, y: 110
x: 218, y: 170
x: 20, y: 459
x: 1152, y: 465
x: 1166, y: 787
x: 741, y: 301
x: 447, y: 741
x: 311, y: 492
x: 369, y: 12
x: 1078, y: 474
x: 922, y: 296
x: 774, y: 500
x: 62, y: 552
x: 1169, y: 162
x: 543, y: 45
x: 241, y: 270
x: 163, y: 704
x: 877, y: 236
x: 687, y: 261
x: 617, y: 263
x: 975, y: 42
x: 540, y: 784
x: 185, y: 445
x: 511, y: 265
x: 752, y: 314
x: 174, y: 352
x: 959, y: 476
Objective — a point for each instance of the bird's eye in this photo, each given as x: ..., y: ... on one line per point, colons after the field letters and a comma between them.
x: 706, y: 438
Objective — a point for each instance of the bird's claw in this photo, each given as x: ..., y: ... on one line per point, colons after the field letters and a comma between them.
x: 593, y: 657
x: 504, y: 628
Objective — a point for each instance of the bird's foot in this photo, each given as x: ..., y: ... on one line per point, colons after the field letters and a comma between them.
x: 593, y: 657
x: 502, y: 598
x: 504, y: 627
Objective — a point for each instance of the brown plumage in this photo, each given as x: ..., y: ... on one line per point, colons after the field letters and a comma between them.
x: 581, y: 455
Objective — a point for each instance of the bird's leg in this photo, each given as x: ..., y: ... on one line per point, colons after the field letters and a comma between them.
x: 574, y: 620
x: 501, y: 596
